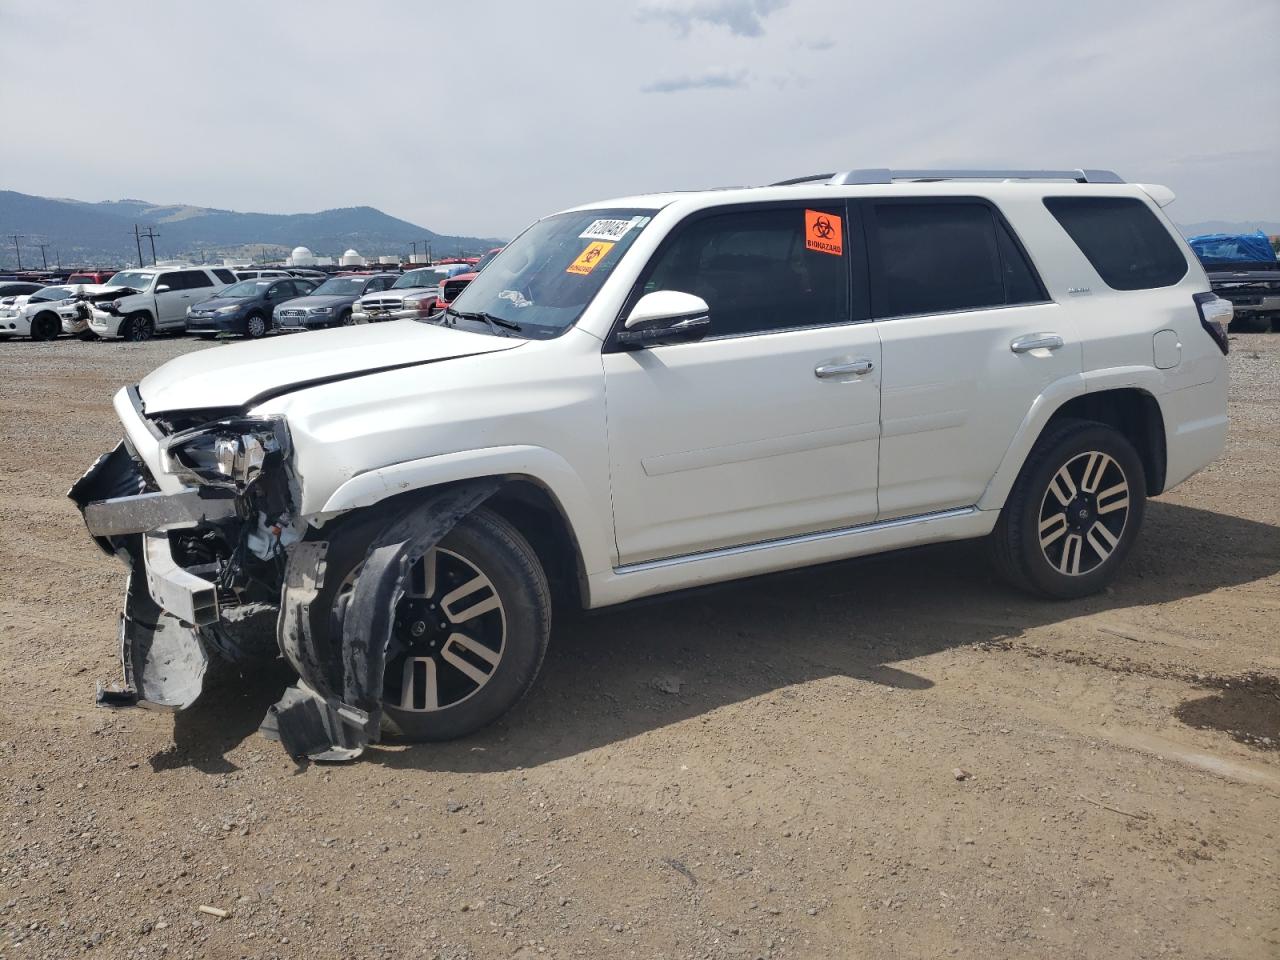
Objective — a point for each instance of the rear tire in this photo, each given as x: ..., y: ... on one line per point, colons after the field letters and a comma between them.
x: 45, y: 326
x: 473, y: 666
x: 137, y: 328
x: 1073, y: 512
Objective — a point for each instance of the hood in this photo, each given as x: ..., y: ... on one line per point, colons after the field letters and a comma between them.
x: 328, y: 300
x: 398, y: 292
x: 242, y: 374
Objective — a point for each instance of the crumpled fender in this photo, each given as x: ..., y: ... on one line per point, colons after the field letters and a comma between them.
x: 335, y: 709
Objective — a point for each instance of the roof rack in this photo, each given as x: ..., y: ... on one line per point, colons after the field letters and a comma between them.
x: 885, y: 175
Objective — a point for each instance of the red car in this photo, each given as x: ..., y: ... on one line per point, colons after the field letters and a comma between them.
x: 91, y: 276
x: 450, y: 289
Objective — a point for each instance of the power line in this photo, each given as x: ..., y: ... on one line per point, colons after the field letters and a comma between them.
x: 16, y: 249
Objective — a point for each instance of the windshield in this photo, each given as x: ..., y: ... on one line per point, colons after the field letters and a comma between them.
x: 81, y: 278
x: 484, y: 261
x: 420, y: 278
x: 340, y: 287
x: 246, y: 288
x: 51, y: 293
x: 132, y: 278
x: 545, y: 278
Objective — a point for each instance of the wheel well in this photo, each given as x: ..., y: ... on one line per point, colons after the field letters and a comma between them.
x: 530, y: 508
x: 140, y: 313
x: 1135, y: 414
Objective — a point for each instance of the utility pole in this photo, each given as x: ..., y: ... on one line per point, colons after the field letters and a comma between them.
x: 137, y: 237
x: 16, y: 249
x: 414, y: 258
x: 43, y: 258
x: 151, y: 235
x: 59, y: 255
x: 426, y: 245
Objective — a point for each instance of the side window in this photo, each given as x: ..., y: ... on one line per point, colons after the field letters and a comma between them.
x: 758, y: 270
x: 171, y: 280
x: 196, y: 280
x: 944, y: 257
x: 1121, y: 237
x: 226, y: 276
x: 280, y: 291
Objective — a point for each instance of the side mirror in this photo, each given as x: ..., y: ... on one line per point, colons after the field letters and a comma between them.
x: 161, y: 288
x: 665, y: 316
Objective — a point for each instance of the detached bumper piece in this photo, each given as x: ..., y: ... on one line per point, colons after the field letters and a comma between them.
x: 335, y: 710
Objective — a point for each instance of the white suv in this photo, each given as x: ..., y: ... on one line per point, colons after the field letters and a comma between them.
x: 651, y: 394
x: 159, y: 301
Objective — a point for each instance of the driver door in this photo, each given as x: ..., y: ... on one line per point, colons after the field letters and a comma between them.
x: 769, y: 427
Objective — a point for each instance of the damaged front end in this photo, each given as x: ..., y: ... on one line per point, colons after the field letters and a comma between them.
x: 223, y: 570
x: 205, y: 561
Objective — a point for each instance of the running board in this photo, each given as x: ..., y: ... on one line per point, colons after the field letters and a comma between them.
x: 862, y: 528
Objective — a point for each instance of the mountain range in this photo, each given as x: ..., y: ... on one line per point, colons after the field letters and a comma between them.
x: 83, y: 233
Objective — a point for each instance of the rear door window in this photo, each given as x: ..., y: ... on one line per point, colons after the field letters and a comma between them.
x: 226, y: 276
x: 943, y: 257
x: 1128, y: 246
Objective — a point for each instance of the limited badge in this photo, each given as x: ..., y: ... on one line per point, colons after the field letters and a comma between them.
x: 823, y: 232
x: 589, y: 258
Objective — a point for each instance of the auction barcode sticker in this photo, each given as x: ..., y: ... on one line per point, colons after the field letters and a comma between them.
x: 611, y: 230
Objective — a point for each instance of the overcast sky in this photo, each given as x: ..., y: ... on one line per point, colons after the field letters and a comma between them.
x: 474, y: 118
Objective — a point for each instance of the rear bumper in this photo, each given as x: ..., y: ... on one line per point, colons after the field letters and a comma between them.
x: 1195, y: 420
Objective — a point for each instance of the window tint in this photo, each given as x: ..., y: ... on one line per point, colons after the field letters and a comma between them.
x: 942, y: 257
x: 226, y: 276
x: 1127, y: 245
x: 756, y: 271
x: 196, y: 279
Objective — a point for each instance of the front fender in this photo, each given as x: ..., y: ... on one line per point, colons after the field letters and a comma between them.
x: 548, y: 469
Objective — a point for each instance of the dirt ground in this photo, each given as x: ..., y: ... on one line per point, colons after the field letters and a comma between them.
x: 766, y: 770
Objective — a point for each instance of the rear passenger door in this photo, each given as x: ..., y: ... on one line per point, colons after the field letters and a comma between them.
x: 969, y: 338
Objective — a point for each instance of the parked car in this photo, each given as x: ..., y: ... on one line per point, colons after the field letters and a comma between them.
x: 90, y: 276
x: 246, y: 307
x: 18, y: 288
x: 794, y: 374
x: 450, y: 289
x: 1243, y: 268
x: 414, y: 295
x: 255, y: 273
x: 329, y: 305
x: 34, y: 315
x: 156, y: 300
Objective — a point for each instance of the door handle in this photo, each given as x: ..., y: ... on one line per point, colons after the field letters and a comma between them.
x: 824, y: 371
x: 1036, y: 341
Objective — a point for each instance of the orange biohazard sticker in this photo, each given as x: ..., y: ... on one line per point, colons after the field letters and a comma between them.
x: 823, y: 232
x: 590, y: 258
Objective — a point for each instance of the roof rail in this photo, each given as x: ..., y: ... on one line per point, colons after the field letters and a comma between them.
x: 888, y: 176
x: 885, y: 175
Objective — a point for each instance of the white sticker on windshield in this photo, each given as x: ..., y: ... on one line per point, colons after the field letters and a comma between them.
x: 516, y: 297
x: 611, y: 229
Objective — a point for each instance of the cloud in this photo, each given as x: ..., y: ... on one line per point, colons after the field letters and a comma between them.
x: 743, y: 18
x: 817, y: 44
x: 710, y: 80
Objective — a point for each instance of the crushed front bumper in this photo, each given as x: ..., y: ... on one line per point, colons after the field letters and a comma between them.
x: 163, y: 655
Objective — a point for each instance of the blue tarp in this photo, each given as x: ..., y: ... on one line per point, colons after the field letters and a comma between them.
x: 1214, y: 248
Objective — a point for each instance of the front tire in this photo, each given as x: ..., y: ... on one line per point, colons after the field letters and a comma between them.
x: 45, y: 326
x: 346, y: 320
x: 255, y: 326
x: 470, y: 631
x: 137, y: 328
x: 1073, y: 513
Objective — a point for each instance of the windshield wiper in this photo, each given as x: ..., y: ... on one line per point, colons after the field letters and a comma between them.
x: 494, y: 322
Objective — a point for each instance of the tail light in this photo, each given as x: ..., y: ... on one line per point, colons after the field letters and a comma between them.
x: 1215, y: 317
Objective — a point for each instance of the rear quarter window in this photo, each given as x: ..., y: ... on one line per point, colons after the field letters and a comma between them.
x: 1123, y: 240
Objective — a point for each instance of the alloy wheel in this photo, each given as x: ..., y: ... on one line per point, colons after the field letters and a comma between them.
x: 1083, y: 513
x: 256, y: 326
x: 448, y: 637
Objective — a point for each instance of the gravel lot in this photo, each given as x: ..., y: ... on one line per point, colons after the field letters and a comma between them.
x: 766, y: 770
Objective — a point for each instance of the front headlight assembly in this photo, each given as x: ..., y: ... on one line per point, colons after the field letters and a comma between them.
x: 321, y: 310
x: 227, y: 311
x: 229, y: 453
